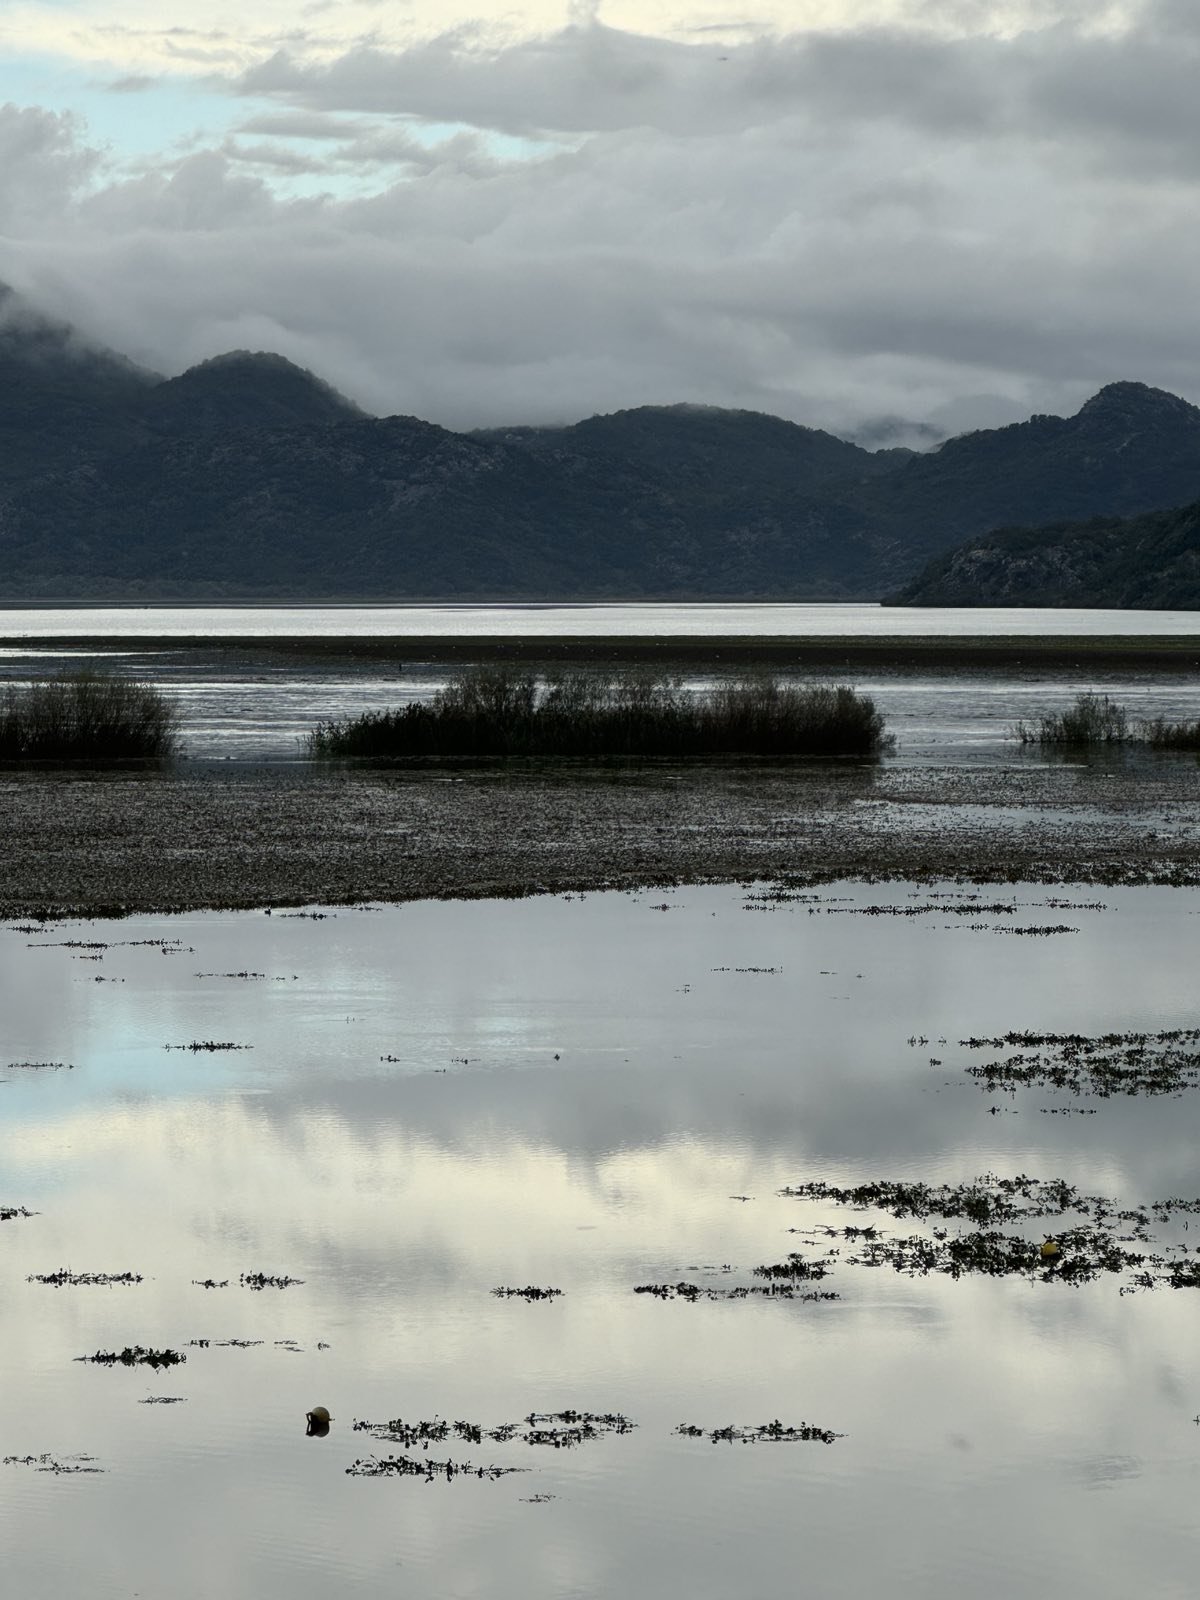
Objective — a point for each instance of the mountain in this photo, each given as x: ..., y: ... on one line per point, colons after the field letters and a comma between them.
x: 1129, y: 449
x: 1151, y: 562
x: 249, y: 477
x: 61, y: 399
x: 244, y: 389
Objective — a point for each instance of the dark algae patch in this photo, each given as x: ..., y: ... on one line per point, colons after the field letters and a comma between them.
x: 1103, y: 1065
x: 209, y: 1044
x: 56, y: 1464
x: 774, y: 1290
x: 135, y: 1355
x: 555, y: 1430
x: 1096, y: 1236
x: 64, y: 1277
x: 529, y: 1292
x: 765, y: 1433
x: 411, y: 1467
x: 558, y: 1430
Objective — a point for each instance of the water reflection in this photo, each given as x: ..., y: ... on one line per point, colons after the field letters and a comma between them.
x: 441, y: 1099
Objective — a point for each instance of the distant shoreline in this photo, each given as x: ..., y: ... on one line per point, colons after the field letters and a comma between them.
x: 1180, y: 652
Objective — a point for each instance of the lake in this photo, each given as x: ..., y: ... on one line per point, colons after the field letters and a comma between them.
x: 244, y: 702
x: 595, y: 1095
x: 587, y: 621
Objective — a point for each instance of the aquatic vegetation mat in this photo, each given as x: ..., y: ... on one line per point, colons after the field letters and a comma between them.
x: 64, y: 1277
x: 765, y: 1433
x: 1107, y: 1064
x: 9, y: 1213
x: 529, y: 1292
x: 559, y: 1430
x: 1094, y: 1237
x: 410, y: 1467
x: 57, y: 1464
x: 135, y: 1356
x: 695, y: 1291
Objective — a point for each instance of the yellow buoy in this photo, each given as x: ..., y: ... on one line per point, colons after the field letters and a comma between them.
x: 1050, y: 1250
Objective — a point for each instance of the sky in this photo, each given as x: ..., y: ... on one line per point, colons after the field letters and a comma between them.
x: 874, y: 216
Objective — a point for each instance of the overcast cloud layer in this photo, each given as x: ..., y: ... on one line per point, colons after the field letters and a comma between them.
x: 937, y: 212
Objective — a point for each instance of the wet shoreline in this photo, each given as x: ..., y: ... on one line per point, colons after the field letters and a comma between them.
x: 213, y: 835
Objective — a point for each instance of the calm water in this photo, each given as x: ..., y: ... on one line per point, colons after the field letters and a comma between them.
x: 248, y: 704
x: 552, y: 621
x: 580, y: 1089
x: 243, y: 705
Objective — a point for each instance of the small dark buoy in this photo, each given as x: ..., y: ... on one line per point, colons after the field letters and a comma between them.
x: 318, y: 1422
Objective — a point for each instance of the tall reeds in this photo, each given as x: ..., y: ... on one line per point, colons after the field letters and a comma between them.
x: 1093, y: 719
x: 1096, y: 720
x: 85, y: 716
x: 496, y: 712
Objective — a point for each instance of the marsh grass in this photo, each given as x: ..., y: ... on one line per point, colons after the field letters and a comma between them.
x: 1160, y: 734
x: 1096, y: 720
x: 492, y: 712
x: 85, y: 716
x: 1093, y: 720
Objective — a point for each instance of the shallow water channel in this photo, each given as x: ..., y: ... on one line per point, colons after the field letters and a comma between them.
x: 596, y: 1094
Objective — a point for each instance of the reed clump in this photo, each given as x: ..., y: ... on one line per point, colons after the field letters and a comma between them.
x: 1096, y: 720
x: 1163, y: 735
x: 86, y: 716
x: 497, y: 712
x: 1093, y: 719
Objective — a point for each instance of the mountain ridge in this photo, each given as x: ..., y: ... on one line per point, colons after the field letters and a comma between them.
x: 248, y: 476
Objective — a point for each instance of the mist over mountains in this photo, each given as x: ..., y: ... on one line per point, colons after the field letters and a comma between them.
x: 247, y: 477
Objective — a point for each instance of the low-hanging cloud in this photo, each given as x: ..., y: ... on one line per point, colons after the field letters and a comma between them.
x: 834, y: 226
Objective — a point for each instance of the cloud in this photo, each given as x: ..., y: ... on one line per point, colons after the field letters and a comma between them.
x: 837, y: 226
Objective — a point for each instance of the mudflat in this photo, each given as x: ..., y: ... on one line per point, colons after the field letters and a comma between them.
x: 198, y: 835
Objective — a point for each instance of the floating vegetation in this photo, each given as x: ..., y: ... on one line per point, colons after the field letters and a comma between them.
x: 57, y: 1464
x: 209, y: 1044
x: 795, y: 1267
x: 986, y: 1200
x: 225, y: 1344
x: 1104, y: 1065
x: 39, y: 1066
x: 494, y: 712
x: 966, y: 908
x: 529, y: 1292
x: 211, y: 1283
x: 8, y: 1213
x: 696, y: 1291
x: 64, y: 1277
x: 163, y: 1400
x: 135, y: 1356
x: 555, y: 1430
x: 1078, y: 1253
x: 766, y: 1433
x: 409, y: 1467
x: 266, y: 1280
